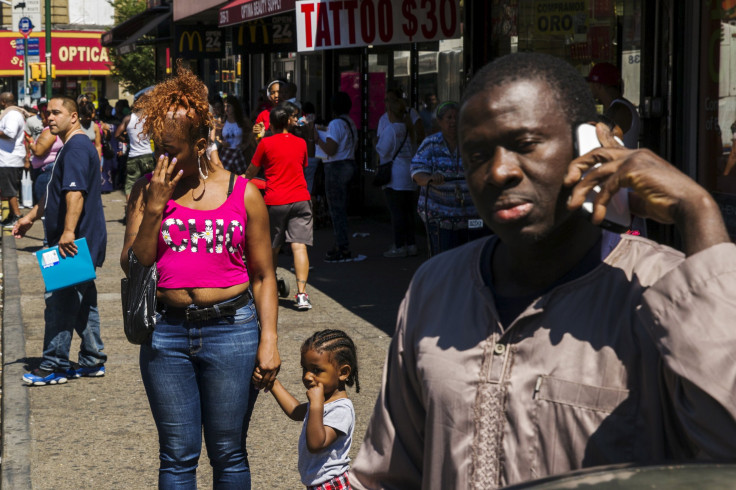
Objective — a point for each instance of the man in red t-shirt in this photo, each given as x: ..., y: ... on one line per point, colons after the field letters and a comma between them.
x: 263, y: 120
x: 283, y: 157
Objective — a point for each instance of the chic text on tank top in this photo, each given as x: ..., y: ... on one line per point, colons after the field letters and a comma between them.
x: 140, y: 144
x: 203, y: 249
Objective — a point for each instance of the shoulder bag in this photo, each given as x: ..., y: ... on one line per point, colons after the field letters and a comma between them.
x: 138, y: 293
x: 383, y: 173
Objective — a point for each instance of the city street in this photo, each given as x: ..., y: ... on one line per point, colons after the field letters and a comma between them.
x: 99, y: 433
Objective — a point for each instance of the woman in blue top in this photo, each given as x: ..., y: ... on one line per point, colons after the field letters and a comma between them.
x: 444, y: 204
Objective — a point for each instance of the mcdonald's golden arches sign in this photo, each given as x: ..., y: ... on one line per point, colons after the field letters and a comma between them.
x: 199, y: 42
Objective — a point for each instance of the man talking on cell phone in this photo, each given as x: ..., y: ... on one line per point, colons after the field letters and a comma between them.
x: 541, y: 350
x: 72, y: 207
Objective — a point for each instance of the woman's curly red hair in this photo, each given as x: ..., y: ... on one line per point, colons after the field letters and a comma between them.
x: 184, y: 90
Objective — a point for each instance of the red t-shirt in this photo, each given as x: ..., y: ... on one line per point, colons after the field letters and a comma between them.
x: 265, y: 118
x: 283, y: 158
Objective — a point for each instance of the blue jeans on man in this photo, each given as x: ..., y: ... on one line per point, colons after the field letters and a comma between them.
x: 68, y: 310
x: 337, y: 180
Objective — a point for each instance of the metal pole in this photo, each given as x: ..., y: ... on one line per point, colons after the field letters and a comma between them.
x: 26, y: 91
x: 48, y: 49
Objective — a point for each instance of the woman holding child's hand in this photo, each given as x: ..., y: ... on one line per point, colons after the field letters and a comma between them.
x: 196, y: 222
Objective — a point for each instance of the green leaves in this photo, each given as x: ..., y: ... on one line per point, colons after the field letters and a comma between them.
x: 134, y: 70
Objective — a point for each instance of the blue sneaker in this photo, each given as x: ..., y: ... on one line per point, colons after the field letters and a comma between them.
x: 77, y: 371
x: 42, y: 377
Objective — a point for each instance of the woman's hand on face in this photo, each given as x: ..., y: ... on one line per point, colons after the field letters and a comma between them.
x: 162, y: 184
x: 268, y: 363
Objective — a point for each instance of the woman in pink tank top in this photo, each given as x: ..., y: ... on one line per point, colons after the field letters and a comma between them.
x: 206, y: 359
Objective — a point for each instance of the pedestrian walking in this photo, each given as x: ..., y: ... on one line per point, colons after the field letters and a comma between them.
x: 216, y: 317
x: 283, y: 157
x: 329, y: 364
x: 339, y: 145
x: 12, y: 155
x: 140, y: 156
x: 238, y: 141
x: 72, y: 209
x: 395, y: 148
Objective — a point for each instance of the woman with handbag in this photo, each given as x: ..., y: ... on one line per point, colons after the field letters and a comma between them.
x: 195, y: 222
x: 394, y: 152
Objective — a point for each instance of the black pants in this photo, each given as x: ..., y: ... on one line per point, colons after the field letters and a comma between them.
x: 402, y: 205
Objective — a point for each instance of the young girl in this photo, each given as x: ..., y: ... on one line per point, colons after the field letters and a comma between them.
x: 329, y: 362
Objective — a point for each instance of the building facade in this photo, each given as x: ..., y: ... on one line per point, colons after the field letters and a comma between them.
x: 677, y: 59
x: 81, y: 63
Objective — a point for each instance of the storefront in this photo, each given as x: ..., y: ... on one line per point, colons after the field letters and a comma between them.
x: 361, y: 48
x: 81, y: 63
x: 715, y: 128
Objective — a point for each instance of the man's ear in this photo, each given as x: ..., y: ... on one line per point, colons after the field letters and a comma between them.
x: 344, y: 372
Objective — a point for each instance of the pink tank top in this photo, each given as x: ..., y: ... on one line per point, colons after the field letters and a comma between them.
x: 203, y: 249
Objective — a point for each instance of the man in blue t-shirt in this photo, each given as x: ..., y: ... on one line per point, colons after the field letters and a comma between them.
x: 73, y: 209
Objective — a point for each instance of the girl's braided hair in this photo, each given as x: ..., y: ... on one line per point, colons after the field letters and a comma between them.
x: 341, y: 349
x: 161, y: 102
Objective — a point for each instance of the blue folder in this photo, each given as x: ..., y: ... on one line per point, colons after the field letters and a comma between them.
x: 59, y: 273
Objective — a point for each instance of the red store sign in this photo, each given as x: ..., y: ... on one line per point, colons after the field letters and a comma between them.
x: 74, y: 53
x: 329, y: 24
x: 241, y: 11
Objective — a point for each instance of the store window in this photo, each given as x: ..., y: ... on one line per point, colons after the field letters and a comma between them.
x: 583, y: 32
x: 717, y: 106
x: 310, y: 84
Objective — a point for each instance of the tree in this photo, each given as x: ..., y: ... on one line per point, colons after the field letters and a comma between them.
x: 135, y: 70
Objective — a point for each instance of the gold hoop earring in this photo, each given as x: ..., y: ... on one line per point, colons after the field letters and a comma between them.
x: 199, y: 164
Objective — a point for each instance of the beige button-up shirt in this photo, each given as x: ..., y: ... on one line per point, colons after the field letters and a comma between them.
x: 633, y: 362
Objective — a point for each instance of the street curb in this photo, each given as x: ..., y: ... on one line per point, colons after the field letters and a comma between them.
x: 16, y: 455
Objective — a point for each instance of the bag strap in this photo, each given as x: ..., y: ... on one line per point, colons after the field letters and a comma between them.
x: 402, y: 143
x: 232, y: 183
x: 350, y: 128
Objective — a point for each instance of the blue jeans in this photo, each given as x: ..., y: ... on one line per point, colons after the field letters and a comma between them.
x: 197, y: 375
x: 337, y: 179
x: 40, y: 181
x: 309, y: 172
x: 67, y: 310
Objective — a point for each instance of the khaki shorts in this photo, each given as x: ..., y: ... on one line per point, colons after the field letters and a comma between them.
x: 136, y: 168
x: 291, y: 223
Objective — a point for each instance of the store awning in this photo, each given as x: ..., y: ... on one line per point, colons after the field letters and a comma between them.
x: 134, y: 28
x: 240, y: 11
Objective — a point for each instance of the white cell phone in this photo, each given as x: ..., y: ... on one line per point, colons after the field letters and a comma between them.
x: 618, y: 215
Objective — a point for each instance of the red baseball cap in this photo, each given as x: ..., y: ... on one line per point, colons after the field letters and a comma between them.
x: 605, y: 74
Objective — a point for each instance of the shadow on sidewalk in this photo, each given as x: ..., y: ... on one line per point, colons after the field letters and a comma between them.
x: 371, y: 289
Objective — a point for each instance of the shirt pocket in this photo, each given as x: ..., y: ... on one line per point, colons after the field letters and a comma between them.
x: 580, y: 425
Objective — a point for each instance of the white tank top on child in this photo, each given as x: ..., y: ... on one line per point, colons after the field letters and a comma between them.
x: 140, y: 144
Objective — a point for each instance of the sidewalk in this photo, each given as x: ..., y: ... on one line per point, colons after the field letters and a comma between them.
x: 99, y: 433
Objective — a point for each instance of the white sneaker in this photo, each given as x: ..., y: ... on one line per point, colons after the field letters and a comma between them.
x: 394, y: 252
x: 302, y: 301
x: 412, y: 251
